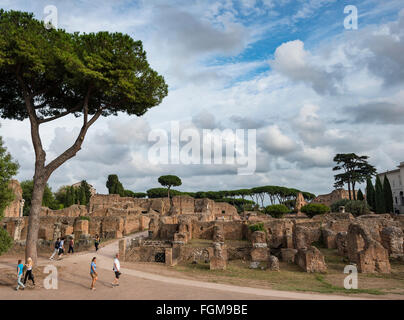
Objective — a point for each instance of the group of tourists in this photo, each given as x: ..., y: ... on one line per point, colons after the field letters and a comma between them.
x: 59, y: 250
x: 28, y: 274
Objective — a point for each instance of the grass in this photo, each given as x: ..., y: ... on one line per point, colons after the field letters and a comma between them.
x: 291, y: 278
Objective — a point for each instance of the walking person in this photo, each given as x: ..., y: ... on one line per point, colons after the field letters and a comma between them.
x: 61, y: 248
x: 28, y: 273
x: 93, y: 273
x: 56, y: 250
x: 117, y: 270
x: 96, y: 242
x: 71, y: 245
x: 20, y: 268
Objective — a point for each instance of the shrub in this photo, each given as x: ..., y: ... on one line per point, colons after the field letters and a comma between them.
x: 257, y: 227
x: 5, y: 241
x: 335, y: 205
x: 277, y: 210
x: 356, y: 207
x: 313, y: 209
x: 84, y: 218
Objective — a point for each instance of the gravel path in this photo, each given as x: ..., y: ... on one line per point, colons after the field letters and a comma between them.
x: 74, y: 283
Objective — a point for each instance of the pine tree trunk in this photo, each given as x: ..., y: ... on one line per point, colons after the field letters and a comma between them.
x: 34, y: 214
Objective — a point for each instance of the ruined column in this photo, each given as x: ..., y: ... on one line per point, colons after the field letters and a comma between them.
x: 259, y: 251
x: 218, y: 261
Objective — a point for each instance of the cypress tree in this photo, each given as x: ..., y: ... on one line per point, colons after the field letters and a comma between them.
x: 360, y: 195
x: 380, y: 203
x: 370, y: 194
x: 388, y: 195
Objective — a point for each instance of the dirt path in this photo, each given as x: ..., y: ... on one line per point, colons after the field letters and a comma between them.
x: 74, y: 282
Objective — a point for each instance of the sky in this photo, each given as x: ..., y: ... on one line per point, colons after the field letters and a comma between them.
x: 289, y: 69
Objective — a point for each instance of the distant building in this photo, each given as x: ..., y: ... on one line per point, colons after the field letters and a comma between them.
x: 396, y: 179
x: 92, y: 189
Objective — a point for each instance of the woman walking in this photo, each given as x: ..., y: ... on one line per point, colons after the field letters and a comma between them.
x: 93, y: 273
x: 28, y: 273
x: 96, y: 242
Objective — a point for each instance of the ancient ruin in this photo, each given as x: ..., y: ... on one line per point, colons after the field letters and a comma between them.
x: 369, y: 241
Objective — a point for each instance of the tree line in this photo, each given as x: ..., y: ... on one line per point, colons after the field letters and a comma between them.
x: 253, y: 196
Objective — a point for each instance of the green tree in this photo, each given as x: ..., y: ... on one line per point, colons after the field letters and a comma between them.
x: 277, y: 210
x: 388, y: 195
x: 313, y: 209
x: 380, y: 204
x: 49, y: 74
x: 169, y: 181
x: 370, y: 194
x: 48, y: 199
x: 8, y: 169
x: 355, y: 169
x: 360, y: 195
x: 114, y: 185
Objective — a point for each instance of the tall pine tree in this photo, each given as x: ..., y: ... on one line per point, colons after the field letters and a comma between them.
x: 370, y: 194
x: 380, y: 205
x: 388, y: 195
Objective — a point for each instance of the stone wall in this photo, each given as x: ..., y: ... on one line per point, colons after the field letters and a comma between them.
x: 14, y: 209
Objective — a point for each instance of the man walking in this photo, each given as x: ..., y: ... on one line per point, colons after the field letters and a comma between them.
x: 116, y: 268
x: 56, y: 250
x: 71, y: 245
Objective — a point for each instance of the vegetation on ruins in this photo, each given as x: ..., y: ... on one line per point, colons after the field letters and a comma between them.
x: 8, y: 169
x: 356, y: 169
x: 277, y: 210
x: 47, y: 74
x: 257, y: 227
x: 313, y: 209
x: 84, y: 218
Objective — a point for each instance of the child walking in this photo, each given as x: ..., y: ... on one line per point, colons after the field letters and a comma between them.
x: 20, y: 268
x: 93, y: 273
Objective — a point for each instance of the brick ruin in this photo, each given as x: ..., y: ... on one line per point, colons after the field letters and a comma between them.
x: 369, y: 241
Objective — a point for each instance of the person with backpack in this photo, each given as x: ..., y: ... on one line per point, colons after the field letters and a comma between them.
x: 61, y: 248
x: 56, y: 249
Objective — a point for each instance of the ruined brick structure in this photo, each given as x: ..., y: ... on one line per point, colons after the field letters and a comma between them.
x: 332, y: 197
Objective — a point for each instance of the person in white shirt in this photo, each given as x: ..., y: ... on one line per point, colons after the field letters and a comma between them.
x: 117, y: 269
